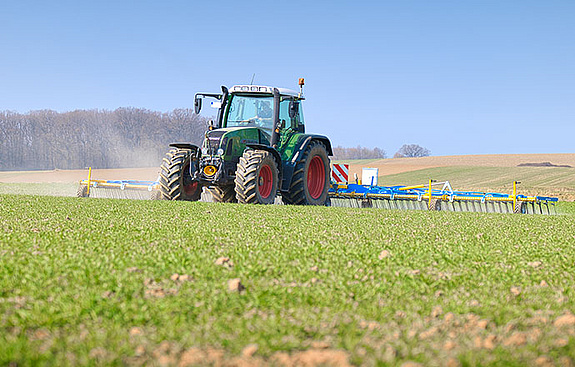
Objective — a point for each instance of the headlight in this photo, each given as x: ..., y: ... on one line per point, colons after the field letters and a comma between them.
x: 205, y: 151
x: 220, y: 152
x: 210, y: 170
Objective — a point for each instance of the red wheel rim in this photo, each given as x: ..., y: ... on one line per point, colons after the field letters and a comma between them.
x: 316, y: 177
x: 191, y: 188
x: 265, y: 182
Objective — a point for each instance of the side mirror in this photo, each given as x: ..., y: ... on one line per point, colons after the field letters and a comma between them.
x: 197, y: 105
x: 293, y: 109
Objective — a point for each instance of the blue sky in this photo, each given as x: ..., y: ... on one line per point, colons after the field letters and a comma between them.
x: 458, y: 77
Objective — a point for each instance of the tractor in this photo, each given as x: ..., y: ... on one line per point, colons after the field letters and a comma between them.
x: 255, y: 150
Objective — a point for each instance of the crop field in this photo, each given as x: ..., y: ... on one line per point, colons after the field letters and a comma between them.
x: 118, y: 282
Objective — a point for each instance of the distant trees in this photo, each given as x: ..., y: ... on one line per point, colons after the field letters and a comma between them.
x: 412, y: 150
x: 359, y: 152
x: 126, y: 137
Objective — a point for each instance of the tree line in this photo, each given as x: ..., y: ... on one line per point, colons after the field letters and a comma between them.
x: 359, y: 152
x: 125, y: 137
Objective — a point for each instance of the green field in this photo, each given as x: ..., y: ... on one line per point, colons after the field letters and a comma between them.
x: 51, y: 189
x: 100, y: 282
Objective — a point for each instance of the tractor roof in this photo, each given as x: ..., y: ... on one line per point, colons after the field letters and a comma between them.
x: 262, y: 89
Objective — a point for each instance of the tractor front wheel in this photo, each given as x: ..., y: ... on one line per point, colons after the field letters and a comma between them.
x: 310, y: 180
x: 176, y: 182
x: 224, y: 194
x: 256, y: 178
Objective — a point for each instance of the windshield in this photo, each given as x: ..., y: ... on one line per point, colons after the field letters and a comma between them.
x: 251, y: 111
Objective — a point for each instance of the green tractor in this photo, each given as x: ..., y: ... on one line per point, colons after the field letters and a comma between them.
x: 256, y: 148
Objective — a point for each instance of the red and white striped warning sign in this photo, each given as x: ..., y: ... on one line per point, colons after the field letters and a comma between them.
x: 340, y: 173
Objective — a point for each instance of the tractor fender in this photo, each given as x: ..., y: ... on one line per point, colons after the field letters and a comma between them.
x: 274, y: 153
x: 307, y: 141
x: 288, y: 167
x: 185, y: 146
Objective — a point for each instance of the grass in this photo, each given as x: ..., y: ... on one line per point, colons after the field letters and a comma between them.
x: 50, y: 189
x: 88, y: 281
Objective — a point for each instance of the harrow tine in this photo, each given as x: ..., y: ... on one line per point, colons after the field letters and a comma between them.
x: 537, y: 207
x: 490, y: 207
x: 410, y: 198
x: 388, y: 204
x: 476, y: 207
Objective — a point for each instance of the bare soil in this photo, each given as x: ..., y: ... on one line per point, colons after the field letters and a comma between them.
x: 386, y: 167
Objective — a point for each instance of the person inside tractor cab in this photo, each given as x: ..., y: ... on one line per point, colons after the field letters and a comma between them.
x: 265, y: 111
x: 264, y: 115
x: 251, y: 111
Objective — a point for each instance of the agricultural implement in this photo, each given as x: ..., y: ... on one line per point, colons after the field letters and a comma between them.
x: 119, y: 189
x: 429, y: 197
x: 354, y: 195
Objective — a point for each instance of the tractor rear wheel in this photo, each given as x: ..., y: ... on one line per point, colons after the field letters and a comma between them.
x: 256, y: 178
x: 224, y: 194
x: 175, y: 180
x: 310, y: 180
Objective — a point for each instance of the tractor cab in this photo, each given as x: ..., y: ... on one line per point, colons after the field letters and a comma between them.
x: 249, y: 116
x: 245, y: 106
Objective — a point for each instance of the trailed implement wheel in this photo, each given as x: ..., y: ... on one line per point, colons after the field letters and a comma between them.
x: 175, y: 180
x: 224, y: 194
x: 82, y: 191
x: 256, y: 178
x: 435, y: 204
x: 157, y: 195
x: 310, y: 180
x: 520, y: 208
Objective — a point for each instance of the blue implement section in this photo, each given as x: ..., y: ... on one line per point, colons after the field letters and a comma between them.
x: 120, y: 189
x: 425, y: 197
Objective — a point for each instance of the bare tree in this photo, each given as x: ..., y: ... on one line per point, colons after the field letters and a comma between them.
x: 358, y: 152
x: 412, y: 150
x: 126, y: 137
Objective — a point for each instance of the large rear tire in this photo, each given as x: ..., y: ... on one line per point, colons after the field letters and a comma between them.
x: 256, y: 178
x: 175, y: 180
x: 310, y: 180
x: 224, y: 194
